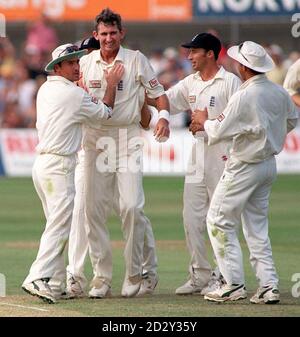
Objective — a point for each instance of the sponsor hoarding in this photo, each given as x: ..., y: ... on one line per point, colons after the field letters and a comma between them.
x: 80, y: 10
x: 17, y: 150
x: 241, y: 8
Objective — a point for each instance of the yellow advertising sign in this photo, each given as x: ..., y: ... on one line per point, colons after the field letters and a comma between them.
x: 80, y: 10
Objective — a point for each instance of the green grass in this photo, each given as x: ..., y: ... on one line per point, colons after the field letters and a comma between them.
x: 22, y: 221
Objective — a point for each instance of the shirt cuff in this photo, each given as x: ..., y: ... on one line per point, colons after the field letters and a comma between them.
x: 205, y: 123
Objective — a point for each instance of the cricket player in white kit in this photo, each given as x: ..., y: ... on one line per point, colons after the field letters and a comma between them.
x: 210, y: 86
x: 78, y: 241
x: 62, y: 108
x: 111, y: 149
x: 257, y: 119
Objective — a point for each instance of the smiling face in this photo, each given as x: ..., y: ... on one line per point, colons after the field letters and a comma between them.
x: 199, y: 58
x: 110, y: 37
x: 68, y: 69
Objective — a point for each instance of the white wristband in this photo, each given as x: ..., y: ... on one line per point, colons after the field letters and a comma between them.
x: 164, y: 114
x: 109, y: 111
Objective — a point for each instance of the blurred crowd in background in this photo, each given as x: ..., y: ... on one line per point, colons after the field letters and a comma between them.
x: 22, y: 73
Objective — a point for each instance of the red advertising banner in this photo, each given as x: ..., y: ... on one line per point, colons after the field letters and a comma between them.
x: 81, y: 10
x: 17, y: 152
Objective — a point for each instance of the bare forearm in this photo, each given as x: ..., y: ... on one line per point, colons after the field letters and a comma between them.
x: 145, y: 116
x: 151, y: 101
x: 162, y: 103
x: 110, y: 95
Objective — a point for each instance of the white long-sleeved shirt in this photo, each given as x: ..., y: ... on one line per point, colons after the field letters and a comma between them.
x: 138, y: 77
x: 62, y: 108
x: 257, y: 119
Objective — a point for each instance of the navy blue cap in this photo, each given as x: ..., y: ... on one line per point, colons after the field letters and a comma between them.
x: 90, y: 42
x: 206, y: 41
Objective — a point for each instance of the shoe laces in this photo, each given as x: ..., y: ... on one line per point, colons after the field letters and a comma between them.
x: 214, y: 283
x: 74, y: 282
x: 46, y: 285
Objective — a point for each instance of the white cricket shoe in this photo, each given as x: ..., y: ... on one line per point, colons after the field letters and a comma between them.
x: 197, y: 280
x: 41, y: 289
x: 196, y: 286
x: 100, y: 289
x: 213, y: 284
x: 74, y: 289
x: 131, y: 286
x: 149, y: 282
x: 189, y: 288
x: 267, y: 295
x: 227, y: 292
x: 59, y: 294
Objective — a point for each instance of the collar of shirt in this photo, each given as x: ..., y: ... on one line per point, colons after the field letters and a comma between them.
x: 219, y: 75
x: 119, y: 57
x: 59, y: 78
x: 254, y: 80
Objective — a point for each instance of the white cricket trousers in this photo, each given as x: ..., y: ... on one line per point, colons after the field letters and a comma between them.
x: 53, y: 178
x: 205, y: 167
x: 78, y: 241
x: 243, y: 191
x: 117, y: 160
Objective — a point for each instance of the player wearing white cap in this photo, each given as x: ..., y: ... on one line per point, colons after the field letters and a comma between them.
x: 107, y: 164
x: 62, y: 108
x: 256, y: 119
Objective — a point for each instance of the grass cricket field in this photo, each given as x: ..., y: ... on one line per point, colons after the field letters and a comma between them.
x: 22, y: 222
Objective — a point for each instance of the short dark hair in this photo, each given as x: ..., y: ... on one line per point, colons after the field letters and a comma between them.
x: 108, y: 17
